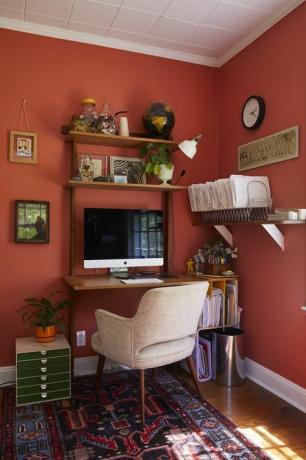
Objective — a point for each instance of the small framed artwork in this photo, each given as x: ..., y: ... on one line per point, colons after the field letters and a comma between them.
x: 23, y: 147
x: 131, y: 167
x: 32, y: 222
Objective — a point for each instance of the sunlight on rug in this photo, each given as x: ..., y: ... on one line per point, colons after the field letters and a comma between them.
x: 105, y: 424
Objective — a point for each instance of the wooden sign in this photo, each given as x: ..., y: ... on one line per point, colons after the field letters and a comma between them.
x: 270, y: 149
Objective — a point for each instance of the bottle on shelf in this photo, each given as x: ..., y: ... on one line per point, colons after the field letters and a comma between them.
x: 106, y: 122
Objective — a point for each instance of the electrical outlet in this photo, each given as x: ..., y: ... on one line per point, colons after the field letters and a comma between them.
x: 81, y: 338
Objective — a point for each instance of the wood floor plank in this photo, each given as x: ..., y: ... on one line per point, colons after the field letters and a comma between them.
x: 273, y: 424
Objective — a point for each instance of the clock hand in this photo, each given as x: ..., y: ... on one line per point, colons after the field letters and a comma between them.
x: 253, y: 112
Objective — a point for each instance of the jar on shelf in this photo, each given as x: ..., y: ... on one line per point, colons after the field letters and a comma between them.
x: 86, y: 168
x: 106, y: 122
x: 87, y: 120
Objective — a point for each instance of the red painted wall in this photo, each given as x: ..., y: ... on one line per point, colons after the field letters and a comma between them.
x: 54, y: 75
x: 272, y: 287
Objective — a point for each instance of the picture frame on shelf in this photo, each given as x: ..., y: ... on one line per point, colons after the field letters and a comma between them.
x: 23, y: 147
x: 32, y: 221
x: 132, y: 167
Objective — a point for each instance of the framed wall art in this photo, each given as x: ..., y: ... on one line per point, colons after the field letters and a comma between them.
x: 32, y: 222
x: 23, y: 147
x: 133, y: 168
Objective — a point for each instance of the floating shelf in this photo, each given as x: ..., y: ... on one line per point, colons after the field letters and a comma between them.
x: 115, y: 141
x: 131, y: 187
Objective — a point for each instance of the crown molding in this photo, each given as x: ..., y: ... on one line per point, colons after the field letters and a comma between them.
x: 290, y: 6
x: 67, y: 34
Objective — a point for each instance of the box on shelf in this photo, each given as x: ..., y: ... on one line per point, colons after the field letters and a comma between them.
x: 215, y: 269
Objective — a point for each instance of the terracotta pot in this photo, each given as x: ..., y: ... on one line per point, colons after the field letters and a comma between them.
x: 45, y: 334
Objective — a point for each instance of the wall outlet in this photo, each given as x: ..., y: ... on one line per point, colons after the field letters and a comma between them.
x: 81, y: 338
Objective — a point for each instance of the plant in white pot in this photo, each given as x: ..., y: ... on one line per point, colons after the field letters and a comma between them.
x: 158, y: 161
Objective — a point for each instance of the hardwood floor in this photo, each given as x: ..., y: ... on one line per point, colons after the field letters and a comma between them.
x: 271, y: 423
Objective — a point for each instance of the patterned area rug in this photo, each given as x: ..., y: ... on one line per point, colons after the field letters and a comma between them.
x: 105, y: 424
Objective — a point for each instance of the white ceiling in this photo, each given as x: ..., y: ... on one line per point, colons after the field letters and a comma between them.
x: 203, y: 31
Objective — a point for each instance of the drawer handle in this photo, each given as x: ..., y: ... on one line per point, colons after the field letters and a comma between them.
x: 44, y: 394
x: 43, y: 369
x: 43, y: 378
x: 43, y: 352
x: 43, y: 361
x: 43, y: 386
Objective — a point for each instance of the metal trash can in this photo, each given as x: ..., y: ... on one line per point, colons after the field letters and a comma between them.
x: 229, y: 357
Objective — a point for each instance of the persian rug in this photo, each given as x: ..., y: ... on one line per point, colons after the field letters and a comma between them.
x: 105, y: 424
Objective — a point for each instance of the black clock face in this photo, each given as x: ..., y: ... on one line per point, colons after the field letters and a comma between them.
x: 253, y: 112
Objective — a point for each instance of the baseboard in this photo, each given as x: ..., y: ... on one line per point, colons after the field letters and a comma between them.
x: 276, y: 384
x: 88, y: 365
x: 82, y: 366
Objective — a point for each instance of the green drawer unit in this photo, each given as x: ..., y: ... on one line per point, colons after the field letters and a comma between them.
x: 42, y: 370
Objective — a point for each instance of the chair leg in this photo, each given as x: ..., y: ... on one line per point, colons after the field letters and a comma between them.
x: 142, y: 393
x: 193, y: 374
x: 99, y: 372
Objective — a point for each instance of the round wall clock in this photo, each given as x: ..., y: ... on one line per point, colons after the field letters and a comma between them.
x: 253, y: 112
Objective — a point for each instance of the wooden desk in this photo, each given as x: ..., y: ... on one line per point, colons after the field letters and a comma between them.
x: 98, y: 282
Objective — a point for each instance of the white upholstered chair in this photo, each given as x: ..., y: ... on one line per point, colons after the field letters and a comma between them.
x: 162, y: 331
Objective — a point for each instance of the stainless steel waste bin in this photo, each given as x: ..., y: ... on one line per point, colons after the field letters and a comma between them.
x: 229, y: 357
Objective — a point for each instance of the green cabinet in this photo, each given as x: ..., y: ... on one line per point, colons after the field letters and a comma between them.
x: 42, y: 370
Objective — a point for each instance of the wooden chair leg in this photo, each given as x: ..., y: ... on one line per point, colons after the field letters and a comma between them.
x: 193, y: 374
x: 142, y: 393
x: 99, y: 372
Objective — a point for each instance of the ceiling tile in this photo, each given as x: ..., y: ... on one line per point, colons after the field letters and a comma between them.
x: 54, y: 8
x: 160, y: 43
x: 212, y: 37
x: 234, y: 17
x: 125, y: 35
x: 173, y: 30
x: 134, y: 20
x: 45, y: 20
x: 191, y: 11
x: 87, y: 28
x: 13, y: 4
x: 11, y: 13
x: 158, y: 6
x: 206, y: 52
x: 264, y: 5
x: 93, y: 12
x: 112, y: 2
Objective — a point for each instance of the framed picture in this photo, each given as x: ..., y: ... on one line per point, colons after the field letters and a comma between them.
x: 133, y: 168
x: 23, y: 147
x: 32, y: 222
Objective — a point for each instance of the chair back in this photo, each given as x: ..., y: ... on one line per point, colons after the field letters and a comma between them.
x: 168, y: 313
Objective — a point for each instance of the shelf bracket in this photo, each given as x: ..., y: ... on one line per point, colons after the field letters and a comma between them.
x: 276, y: 234
x: 225, y: 233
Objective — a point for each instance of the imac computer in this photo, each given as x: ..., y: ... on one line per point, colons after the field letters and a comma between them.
x: 118, y: 238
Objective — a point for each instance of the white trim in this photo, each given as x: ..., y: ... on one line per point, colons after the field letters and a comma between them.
x: 289, y: 6
x: 276, y: 384
x: 66, y: 34
x: 7, y: 374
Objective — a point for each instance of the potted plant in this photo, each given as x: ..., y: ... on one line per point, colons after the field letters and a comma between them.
x: 158, y: 161
x: 44, y: 314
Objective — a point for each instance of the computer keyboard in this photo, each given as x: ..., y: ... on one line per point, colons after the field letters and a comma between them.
x: 145, y: 280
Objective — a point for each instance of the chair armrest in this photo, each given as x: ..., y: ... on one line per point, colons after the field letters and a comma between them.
x: 115, y: 334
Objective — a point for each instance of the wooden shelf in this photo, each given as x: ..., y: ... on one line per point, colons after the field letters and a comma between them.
x: 130, y: 187
x: 115, y: 141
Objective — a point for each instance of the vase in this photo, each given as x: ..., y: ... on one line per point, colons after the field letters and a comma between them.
x: 165, y: 174
x: 45, y: 334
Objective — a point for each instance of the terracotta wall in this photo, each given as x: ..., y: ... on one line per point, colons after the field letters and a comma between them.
x: 54, y: 75
x: 272, y: 285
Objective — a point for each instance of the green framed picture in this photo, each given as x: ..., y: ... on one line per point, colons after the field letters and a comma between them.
x: 32, y: 222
